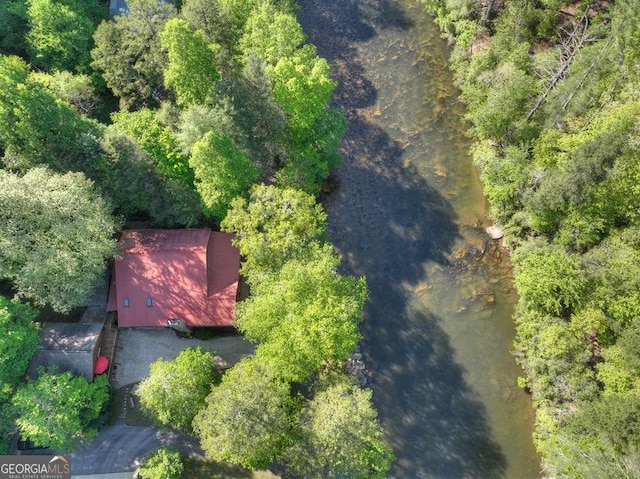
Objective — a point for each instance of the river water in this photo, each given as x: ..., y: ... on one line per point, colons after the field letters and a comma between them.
x: 409, y: 214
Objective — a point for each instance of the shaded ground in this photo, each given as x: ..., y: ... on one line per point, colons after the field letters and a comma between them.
x: 203, y: 469
x: 122, y: 446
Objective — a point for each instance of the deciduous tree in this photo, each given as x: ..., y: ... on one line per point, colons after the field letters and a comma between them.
x: 128, y: 177
x: 191, y: 70
x: 548, y: 279
x: 304, y: 315
x: 340, y: 435
x: 36, y: 128
x: 56, y: 234
x: 59, y: 410
x: 176, y: 390
x: 13, y: 27
x: 163, y: 463
x: 76, y: 90
x: 18, y: 343
x: 302, y: 85
x: 271, y: 34
x: 274, y: 226
x: 222, y: 172
x: 249, y: 418
x: 157, y: 140
x: 60, y: 33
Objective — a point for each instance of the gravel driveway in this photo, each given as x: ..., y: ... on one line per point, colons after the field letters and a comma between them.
x: 137, y: 348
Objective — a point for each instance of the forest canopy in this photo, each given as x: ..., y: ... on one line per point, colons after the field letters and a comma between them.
x: 174, y: 114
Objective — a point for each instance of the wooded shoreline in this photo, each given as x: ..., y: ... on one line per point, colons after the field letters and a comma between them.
x: 553, y: 100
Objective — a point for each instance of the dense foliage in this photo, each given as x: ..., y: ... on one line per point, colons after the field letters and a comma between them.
x: 56, y: 234
x: 222, y: 172
x: 164, y: 463
x: 129, y: 54
x: 60, y: 34
x: 60, y: 410
x: 215, y: 99
x: 18, y: 344
x: 553, y: 99
x: 304, y: 317
x: 275, y: 226
x: 339, y: 435
x: 249, y: 418
x: 175, y: 390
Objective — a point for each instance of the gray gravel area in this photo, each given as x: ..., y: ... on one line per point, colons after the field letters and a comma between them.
x: 137, y: 348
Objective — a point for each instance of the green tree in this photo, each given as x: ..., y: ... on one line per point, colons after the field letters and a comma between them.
x: 222, y: 172
x: 304, y: 315
x: 13, y: 27
x: 250, y: 115
x: 206, y: 16
x: 128, y: 177
x: 60, y: 33
x: 163, y: 463
x: 341, y: 436
x: 620, y: 371
x: 129, y: 54
x: 215, y: 20
x: 60, y: 410
x: 157, y: 140
x: 76, y: 90
x: 191, y: 71
x: 307, y: 167
x: 555, y: 355
x: 56, y: 234
x: 548, y: 279
x: 7, y: 426
x: 505, y: 176
x: 615, y: 419
x: 176, y: 390
x: 249, y: 418
x: 274, y: 226
x: 574, y: 183
x: 271, y: 34
x: 585, y: 457
x: 303, y: 87
x: 197, y: 121
x: 18, y: 343
x: 614, y: 283
x: 502, y: 112
x: 36, y: 128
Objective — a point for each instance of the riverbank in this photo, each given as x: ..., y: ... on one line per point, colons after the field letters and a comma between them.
x: 552, y: 100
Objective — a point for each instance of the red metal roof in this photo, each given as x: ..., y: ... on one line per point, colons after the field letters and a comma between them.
x: 190, y: 274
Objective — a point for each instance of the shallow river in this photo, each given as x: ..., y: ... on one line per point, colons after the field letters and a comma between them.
x: 410, y: 215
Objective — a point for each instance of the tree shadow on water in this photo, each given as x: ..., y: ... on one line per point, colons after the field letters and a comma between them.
x: 433, y: 420
x: 388, y: 222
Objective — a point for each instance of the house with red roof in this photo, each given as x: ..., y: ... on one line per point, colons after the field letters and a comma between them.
x: 187, y: 274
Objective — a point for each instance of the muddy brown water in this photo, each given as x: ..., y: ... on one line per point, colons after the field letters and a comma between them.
x: 410, y: 215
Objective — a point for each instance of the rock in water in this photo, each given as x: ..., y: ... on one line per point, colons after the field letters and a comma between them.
x: 495, y: 232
